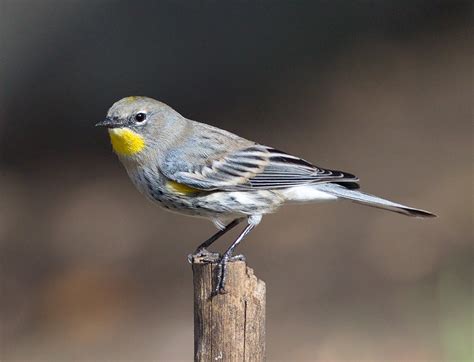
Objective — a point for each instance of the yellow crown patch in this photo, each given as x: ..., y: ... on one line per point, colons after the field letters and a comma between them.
x: 130, y: 99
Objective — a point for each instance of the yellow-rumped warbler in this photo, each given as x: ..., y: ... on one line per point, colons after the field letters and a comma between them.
x: 200, y: 170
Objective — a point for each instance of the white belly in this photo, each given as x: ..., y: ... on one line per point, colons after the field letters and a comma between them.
x: 306, y: 193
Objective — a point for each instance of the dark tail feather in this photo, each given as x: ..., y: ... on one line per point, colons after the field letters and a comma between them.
x: 373, y: 201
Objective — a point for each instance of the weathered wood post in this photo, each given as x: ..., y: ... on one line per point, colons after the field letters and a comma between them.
x: 231, y: 326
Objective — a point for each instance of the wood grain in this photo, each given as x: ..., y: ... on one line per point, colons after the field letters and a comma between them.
x: 231, y: 326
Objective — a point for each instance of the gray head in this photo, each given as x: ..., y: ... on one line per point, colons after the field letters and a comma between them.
x: 135, y: 121
x: 137, y: 112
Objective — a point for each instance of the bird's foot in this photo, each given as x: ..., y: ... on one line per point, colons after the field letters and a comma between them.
x: 221, y: 271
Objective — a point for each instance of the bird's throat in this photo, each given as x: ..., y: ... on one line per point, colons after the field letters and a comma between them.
x: 125, y: 142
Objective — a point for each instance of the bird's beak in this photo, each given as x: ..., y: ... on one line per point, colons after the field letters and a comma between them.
x: 109, y: 123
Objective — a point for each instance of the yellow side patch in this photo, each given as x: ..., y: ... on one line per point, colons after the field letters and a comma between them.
x: 126, y: 142
x: 181, y: 188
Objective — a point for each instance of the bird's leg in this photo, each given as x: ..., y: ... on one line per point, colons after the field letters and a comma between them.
x: 216, y: 236
x: 222, y: 265
x: 202, y: 251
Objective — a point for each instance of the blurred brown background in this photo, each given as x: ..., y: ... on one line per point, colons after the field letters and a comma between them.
x: 92, y: 271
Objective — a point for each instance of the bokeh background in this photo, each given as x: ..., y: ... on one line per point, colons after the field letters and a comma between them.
x: 91, y: 271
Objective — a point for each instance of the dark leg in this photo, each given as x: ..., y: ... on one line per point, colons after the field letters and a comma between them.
x: 201, y: 249
x: 222, y: 266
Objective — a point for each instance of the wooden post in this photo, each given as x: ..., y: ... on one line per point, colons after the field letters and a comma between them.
x: 231, y: 326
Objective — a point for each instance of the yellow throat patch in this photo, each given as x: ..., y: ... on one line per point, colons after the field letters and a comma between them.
x: 125, y: 142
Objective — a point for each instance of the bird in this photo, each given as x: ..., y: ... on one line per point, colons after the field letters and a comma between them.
x: 199, y: 170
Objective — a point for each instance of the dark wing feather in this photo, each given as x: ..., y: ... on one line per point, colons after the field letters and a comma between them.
x: 285, y: 170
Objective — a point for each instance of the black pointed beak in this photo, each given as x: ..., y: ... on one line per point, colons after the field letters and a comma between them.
x: 109, y: 123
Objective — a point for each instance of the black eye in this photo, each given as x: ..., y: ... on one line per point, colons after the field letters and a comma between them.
x: 140, y: 117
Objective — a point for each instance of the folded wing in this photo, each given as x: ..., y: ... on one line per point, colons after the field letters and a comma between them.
x: 254, y: 167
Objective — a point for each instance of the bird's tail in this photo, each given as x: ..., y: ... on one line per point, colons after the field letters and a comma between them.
x: 370, y: 200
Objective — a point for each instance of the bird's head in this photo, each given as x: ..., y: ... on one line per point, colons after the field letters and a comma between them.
x: 135, y: 123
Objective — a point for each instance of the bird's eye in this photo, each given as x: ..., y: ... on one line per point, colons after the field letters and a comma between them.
x: 140, y: 117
